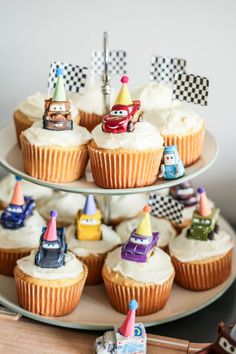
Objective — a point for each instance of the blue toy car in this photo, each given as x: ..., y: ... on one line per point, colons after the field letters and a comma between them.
x: 14, y: 216
x: 51, y: 254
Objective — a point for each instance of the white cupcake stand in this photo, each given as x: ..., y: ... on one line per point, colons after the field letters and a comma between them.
x: 94, y: 311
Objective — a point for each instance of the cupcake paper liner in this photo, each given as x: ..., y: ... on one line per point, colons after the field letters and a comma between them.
x: 8, y: 258
x: 94, y: 264
x: 189, y: 146
x: 123, y: 168
x: 89, y: 120
x: 48, y: 297
x: 54, y: 164
x: 22, y: 122
x: 202, y: 275
x: 150, y: 297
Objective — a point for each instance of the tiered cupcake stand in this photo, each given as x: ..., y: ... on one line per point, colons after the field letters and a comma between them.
x: 94, y: 311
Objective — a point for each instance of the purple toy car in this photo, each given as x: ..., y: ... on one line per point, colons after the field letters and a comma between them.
x: 13, y: 217
x: 139, y: 248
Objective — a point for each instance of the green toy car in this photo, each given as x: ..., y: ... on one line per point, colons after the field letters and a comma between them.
x: 204, y: 227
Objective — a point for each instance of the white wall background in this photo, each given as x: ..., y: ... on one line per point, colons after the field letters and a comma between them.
x: 32, y: 33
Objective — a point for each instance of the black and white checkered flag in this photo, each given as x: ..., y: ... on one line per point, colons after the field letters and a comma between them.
x: 166, y: 207
x: 190, y: 88
x: 117, y: 62
x: 163, y: 69
x: 74, y: 76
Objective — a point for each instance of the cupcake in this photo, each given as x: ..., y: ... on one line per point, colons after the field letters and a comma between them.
x: 164, y: 227
x: 202, y: 253
x: 185, y: 194
x: 139, y: 270
x: 125, y: 152
x: 118, y: 208
x: 180, y: 126
x: 54, y: 149
x: 31, y: 110
x: 7, y: 184
x: 49, y: 281
x: 90, y: 240
x: 91, y: 104
x: 67, y: 205
x: 20, y: 226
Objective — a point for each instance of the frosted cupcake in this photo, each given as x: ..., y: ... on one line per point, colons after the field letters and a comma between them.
x: 90, y: 240
x: 7, y: 185
x: 91, y: 104
x: 164, y: 227
x: 139, y: 270
x: 118, y: 208
x: 49, y: 281
x: 32, y: 110
x: 125, y: 151
x: 182, y: 127
x: 67, y: 205
x: 20, y: 227
x: 202, y: 254
x: 54, y: 149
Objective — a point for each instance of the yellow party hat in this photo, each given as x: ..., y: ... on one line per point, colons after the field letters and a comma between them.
x: 124, y: 96
x: 144, y: 228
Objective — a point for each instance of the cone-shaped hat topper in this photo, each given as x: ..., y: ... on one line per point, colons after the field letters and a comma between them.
x: 127, y: 327
x: 51, y: 231
x: 124, y: 96
x: 59, y: 93
x: 90, y: 205
x: 204, y: 208
x: 18, y: 197
x: 144, y: 228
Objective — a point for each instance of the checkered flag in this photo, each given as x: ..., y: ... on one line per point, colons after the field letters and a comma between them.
x: 163, y: 69
x: 190, y: 88
x: 117, y: 62
x: 166, y: 207
x: 74, y: 76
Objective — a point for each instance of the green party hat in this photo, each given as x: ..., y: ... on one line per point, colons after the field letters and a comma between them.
x: 59, y: 93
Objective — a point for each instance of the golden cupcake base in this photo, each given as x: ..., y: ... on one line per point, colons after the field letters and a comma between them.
x: 89, y: 120
x: 202, y: 275
x: 94, y: 264
x: 49, y: 297
x: 121, y: 290
x: 9, y: 257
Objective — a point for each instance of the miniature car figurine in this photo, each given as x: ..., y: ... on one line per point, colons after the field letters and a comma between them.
x: 124, y: 114
x: 204, y: 222
x: 226, y: 340
x: 57, y: 114
x: 184, y: 193
x: 52, y: 249
x: 142, y: 241
x: 89, y: 221
x: 20, y: 208
x: 173, y: 167
x: 129, y: 338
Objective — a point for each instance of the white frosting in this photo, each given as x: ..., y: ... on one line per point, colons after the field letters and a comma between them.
x: 7, y: 185
x: 72, y: 268
x: 188, y: 250
x: 123, y: 206
x: 110, y: 239
x: 33, y: 107
x: 66, y: 204
x: 144, y: 136
x: 42, y: 137
x: 153, y: 95
x: 157, y: 270
x: 25, y: 237
x: 163, y: 226
x: 92, y: 101
x: 179, y: 119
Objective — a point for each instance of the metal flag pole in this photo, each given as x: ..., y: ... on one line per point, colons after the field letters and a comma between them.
x: 106, y: 88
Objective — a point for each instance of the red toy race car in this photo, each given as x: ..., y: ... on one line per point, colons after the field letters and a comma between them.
x: 122, y: 118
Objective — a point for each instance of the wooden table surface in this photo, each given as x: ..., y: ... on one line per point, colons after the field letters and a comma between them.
x: 25, y: 336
